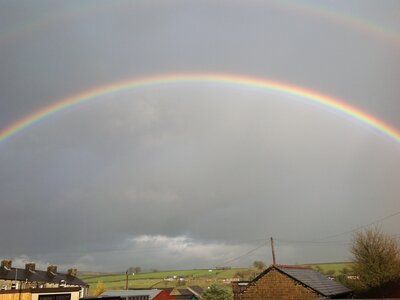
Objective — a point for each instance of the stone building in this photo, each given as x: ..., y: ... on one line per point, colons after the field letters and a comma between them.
x: 63, y: 293
x: 289, y: 282
x: 29, y: 277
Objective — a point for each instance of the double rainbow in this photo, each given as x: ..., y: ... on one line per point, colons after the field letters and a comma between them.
x: 271, y: 86
x: 88, y: 9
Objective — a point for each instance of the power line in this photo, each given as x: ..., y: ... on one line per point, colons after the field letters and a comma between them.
x: 312, y: 243
x: 356, y: 229
x: 242, y: 255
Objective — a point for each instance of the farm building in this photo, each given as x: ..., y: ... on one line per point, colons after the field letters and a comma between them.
x: 288, y: 282
x: 29, y: 277
x: 185, y: 294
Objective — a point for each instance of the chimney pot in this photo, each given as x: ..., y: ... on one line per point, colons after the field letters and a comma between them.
x: 52, y: 270
x: 30, y: 267
x: 72, y: 272
x: 6, y: 264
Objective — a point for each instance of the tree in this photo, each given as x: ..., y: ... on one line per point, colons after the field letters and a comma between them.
x: 377, y: 258
x: 137, y: 270
x: 345, y: 271
x: 258, y: 264
x: 217, y: 293
x: 99, y: 288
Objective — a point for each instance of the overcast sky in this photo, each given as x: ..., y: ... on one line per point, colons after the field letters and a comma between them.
x: 195, y: 175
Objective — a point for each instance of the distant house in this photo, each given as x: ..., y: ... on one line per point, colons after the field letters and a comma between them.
x: 145, y: 294
x: 289, y: 282
x: 193, y: 292
x: 18, y: 278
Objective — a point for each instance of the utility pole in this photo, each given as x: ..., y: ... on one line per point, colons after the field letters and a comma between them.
x: 273, y: 251
x: 126, y: 282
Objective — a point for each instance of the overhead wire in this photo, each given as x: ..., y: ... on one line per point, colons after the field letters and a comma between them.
x: 317, y: 243
x: 241, y: 256
x: 356, y: 229
x: 313, y: 242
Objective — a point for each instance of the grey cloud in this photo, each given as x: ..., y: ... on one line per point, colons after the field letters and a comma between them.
x: 193, y: 164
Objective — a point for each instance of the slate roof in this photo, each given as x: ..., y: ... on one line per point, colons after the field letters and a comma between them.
x: 130, y: 293
x: 185, y: 297
x: 185, y: 292
x: 198, y: 289
x: 193, y: 290
x: 38, y: 276
x: 312, y: 279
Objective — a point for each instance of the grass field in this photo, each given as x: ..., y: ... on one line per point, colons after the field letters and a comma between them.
x: 201, y: 277
x: 333, y: 269
x: 161, y: 275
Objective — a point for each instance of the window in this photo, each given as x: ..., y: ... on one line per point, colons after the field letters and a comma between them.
x: 55, y: 297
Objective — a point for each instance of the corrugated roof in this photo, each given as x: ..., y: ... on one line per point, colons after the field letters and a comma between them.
x: 39, y: 276
x: 315, y: 280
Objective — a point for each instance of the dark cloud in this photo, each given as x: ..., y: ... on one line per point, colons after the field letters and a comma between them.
x: 191, y: 175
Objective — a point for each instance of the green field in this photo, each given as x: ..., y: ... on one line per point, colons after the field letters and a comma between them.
x: 201, y: 277
x: 333, y: 269
x: 163, y: 274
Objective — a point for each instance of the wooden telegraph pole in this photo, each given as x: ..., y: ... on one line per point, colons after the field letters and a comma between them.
x: 273, y: 251
x: 126, y: 281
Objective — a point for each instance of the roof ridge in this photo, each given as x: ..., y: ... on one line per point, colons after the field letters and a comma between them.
x: 301, y: 267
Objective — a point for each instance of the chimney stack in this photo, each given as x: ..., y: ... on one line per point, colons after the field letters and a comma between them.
x: 30, y: 267
x: 52, y: 270
x: 72, y: 272
x: 6, y: 264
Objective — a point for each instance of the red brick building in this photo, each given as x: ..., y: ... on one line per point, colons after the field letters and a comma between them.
x: 289, y: 282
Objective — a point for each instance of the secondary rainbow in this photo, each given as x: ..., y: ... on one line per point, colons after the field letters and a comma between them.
x: 85, y: 10
x: 243, y: 81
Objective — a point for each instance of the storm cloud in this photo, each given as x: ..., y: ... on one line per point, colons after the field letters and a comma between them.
x: 195, y: 175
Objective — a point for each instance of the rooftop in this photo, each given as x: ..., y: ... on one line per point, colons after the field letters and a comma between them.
x: 310, y: 278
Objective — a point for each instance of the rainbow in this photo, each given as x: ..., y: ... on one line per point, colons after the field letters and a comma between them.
x: 317, y: 10
x: 86, y: 9
x: 242, y: 81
